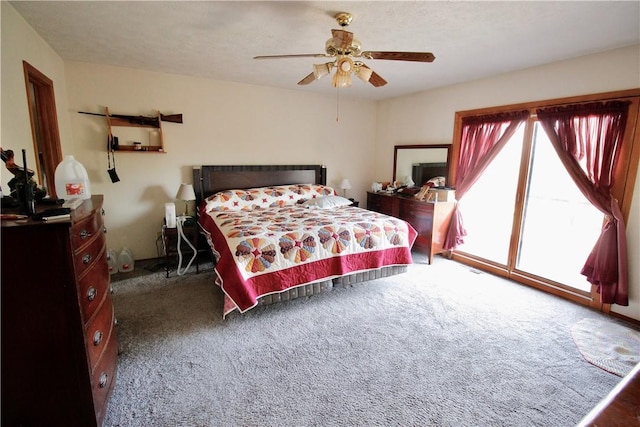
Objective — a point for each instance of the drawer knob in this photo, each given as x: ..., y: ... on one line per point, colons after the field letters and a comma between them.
x: 86, y: 259
x: 92, y: 293
x: 84, y: 234
x: 104, y: 230
x: 104, y: 378
x: 97, y: 338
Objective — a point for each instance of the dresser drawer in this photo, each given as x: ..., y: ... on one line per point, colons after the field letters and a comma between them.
x: 380, y: 203
x: 103, y: 378
x: 421, y: 220
x: 99, y: 332
x: 83, y: 231
x: 412, y: 210
x: 93, y: 287
x: 87, y: 255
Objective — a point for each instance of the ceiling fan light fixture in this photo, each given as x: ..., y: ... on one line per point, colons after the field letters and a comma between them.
x: 321, y: 70
x: 364, y: 73
x: 342, y: 77
x: 341, y: 80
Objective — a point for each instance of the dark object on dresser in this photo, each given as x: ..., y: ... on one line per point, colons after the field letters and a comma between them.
x: 431, y: 220
x: 59, y: 347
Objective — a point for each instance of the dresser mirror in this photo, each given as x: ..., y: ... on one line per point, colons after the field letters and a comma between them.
x: 421, y: 162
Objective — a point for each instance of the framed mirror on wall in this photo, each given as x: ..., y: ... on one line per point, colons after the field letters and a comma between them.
x: 421, y: 162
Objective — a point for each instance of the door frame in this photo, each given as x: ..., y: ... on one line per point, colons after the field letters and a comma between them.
x: 44, y: 125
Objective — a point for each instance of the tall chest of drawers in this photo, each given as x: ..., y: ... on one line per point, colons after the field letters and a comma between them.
x: 59, y: 345
x: 431, y: 220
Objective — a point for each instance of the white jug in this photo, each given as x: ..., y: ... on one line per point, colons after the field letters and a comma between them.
x: 125, y: 260
x: 112, y: 261
x: 71, y: 179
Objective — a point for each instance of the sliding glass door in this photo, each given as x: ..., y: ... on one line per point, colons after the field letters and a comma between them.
x: 559, y: 225
x: 548, y: 232
x: 488, y: 207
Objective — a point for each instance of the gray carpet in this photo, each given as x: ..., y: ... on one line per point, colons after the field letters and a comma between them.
x: 440, y: 345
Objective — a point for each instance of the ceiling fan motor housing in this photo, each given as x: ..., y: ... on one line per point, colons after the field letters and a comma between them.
x: 354, y: 49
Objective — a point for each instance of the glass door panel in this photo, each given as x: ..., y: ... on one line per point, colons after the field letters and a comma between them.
x: 560, y: 226
x: 488, y: 207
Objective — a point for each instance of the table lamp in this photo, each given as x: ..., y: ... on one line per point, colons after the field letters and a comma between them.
x: 186, y: 194
x: 345, y: 185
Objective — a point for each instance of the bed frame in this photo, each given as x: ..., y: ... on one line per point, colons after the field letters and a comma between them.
x: 210, y: 179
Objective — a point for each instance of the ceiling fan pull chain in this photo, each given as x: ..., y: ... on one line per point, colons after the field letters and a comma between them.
x: 337, y: 104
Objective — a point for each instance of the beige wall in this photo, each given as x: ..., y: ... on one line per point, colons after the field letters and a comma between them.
x: 427, y: 118
x: 21, y: 43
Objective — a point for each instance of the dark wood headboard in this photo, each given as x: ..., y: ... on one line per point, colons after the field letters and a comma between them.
x: 210, y: 179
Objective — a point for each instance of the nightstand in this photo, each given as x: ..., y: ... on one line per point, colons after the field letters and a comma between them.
x: 355, y: 203
x: 170, y: 243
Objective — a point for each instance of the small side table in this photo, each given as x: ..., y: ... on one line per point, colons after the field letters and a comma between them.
x: 355, y: 203
x: 170, y: 242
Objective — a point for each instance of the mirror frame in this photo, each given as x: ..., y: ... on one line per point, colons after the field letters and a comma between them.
x: 421, y: 146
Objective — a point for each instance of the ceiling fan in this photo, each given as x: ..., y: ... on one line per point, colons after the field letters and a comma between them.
x: 343, y: 47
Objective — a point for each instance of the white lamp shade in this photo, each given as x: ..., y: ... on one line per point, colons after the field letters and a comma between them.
x: 321, y: 70
x: 345, y: 184
x: 341, y: 80
x: 364, y: 73
x: 342, y: 77
x: 186, y: 193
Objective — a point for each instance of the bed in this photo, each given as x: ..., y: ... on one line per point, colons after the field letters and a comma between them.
x: 279, y: 232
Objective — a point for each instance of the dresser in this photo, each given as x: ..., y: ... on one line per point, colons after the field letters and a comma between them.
x: 431, y: 220
x: 59, y: 346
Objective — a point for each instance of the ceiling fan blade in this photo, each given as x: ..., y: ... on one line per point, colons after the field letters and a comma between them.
x: 400, y: 56
x: 310, y: 78
x: 298, y: 55
x: 342, y: 38
x: 375, y: 78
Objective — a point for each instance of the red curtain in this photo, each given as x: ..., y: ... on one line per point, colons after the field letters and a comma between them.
x: 482, y: 139
x: 587, y: 137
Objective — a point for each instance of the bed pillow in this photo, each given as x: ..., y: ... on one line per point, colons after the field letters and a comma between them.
x: 264, y: 197
x: 327, y: 202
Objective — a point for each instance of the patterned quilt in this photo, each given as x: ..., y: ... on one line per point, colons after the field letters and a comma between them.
x: 269, y: 249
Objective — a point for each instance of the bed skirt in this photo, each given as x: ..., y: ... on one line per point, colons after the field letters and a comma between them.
x: 325, y: 286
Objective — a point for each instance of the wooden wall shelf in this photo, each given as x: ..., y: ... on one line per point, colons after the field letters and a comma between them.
x: 146, y: 146
x: 143, y: 149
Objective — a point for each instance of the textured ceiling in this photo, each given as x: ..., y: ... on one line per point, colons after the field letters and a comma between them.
x: 218, y: 39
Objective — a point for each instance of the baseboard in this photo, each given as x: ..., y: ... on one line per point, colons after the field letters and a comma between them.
x: 635, y: 322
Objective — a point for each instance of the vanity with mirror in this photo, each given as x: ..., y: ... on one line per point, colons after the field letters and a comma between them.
x: 430, y: 219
